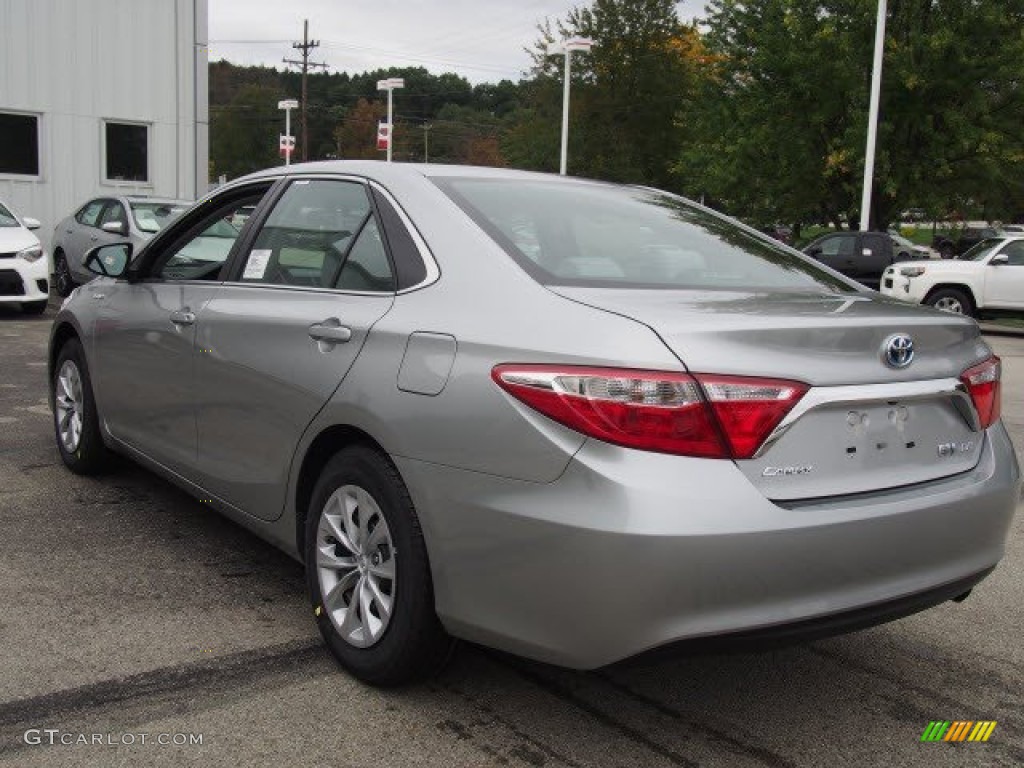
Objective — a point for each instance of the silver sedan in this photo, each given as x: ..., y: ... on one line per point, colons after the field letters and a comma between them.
x: 570, y: 420
x: 101, y: 221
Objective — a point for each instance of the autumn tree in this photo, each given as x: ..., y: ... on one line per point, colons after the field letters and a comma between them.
x: 356, y: 134
x: 626, y: 91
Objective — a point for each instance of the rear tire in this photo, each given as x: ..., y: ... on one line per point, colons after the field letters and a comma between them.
x: 63, y: 283
x: 368, y: 573
x: 34, y: 307
x: 75, y: 420
x: 951, y: 300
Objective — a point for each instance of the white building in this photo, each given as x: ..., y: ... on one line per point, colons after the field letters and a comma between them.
x: 101, y: 97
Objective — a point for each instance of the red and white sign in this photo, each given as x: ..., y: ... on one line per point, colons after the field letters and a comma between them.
x: 383, y: 136
x: 287, y: 145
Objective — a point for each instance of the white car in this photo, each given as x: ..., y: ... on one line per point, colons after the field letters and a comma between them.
x: 24, y: 268
x: 990, y: 276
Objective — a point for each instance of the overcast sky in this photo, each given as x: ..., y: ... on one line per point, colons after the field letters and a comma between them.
x: 482, y: 40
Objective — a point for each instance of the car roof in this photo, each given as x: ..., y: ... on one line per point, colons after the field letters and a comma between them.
x: 379, y: 169
x: 156, y: 200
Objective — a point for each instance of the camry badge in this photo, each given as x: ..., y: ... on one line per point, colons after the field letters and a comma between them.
x: 898, y: 350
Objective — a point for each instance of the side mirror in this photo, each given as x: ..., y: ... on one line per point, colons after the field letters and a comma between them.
x: 109, y: 260
x: 1002, y: 258
x: 116, y: 227
x: 815, y: 251
x: 30, y: 223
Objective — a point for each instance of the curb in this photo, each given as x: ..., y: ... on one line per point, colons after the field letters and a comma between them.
x: 1001, y: 330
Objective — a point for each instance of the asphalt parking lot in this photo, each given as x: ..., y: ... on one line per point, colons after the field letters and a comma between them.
x: 128, y: 608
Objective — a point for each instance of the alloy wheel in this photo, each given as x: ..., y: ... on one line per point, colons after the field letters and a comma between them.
x: 62, y: 276
x: 355, y: 565
x: 950, y: 304
x: 70, y: 401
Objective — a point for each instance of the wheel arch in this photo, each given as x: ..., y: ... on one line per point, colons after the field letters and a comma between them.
x: 329, y: 442
x: 62, y: 333
x: 962, y: 287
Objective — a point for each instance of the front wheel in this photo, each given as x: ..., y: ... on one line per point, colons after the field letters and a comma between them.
x: 75, y: 421
x: 63, y: 283
x: 951, y: 300
x: 368, y: 573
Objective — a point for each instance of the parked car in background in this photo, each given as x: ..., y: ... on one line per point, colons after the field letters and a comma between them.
x: 780, y: 232
x: 989, y: 277
x: 24, y: 268
x: 915, y: 251
x: 960, y: 241
x: 575, y: 421
x: 861, y: 255
x: 105, y: 220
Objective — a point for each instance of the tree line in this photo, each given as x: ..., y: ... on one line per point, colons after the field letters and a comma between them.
x: 759, y: 108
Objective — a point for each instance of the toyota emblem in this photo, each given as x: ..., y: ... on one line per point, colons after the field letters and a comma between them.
x: 898, y: 350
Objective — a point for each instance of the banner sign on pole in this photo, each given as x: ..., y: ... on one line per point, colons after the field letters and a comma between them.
x: 287, y: 145
x: 383, y: 135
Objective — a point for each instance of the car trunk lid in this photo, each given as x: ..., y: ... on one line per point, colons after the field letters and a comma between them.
x: 864, y: 425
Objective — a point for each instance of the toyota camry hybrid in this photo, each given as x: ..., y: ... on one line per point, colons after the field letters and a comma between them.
x: 570, y: 420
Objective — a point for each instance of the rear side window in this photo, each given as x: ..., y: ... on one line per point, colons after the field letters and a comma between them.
x: 409, y: 267
x: 584, y: 233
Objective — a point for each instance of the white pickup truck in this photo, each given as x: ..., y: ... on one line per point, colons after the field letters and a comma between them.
x: 988, y: 277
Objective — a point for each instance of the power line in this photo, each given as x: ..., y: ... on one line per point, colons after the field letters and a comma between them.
x: 305, y: 46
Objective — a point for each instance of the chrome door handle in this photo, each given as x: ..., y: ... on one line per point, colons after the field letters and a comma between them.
x: 183, y: 317
x: 330, y: 332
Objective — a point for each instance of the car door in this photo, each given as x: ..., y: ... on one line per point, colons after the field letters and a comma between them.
x: 113, y: 213
x: 144, y: 334
x: 80, y: 237
x: 281, y: 335
x: 1004, y: 283
x: 874, y: 254
x: 837, y: 252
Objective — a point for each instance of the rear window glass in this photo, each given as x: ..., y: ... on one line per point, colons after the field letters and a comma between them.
x: 585, y: 233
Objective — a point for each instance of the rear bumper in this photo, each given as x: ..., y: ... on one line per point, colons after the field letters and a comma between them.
x: 630, y: 551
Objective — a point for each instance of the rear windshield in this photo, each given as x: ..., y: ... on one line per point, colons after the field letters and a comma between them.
x: 152, y: 217
x: 585, y: 233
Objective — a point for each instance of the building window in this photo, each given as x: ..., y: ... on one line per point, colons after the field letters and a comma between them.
x: 19, y: 144
x: 127, y: 152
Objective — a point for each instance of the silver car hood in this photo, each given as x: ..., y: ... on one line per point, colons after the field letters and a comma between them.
x: 821, y: 339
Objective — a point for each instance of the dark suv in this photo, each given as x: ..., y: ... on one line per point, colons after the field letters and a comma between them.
x: 955, y: 244
x: 860, y: 255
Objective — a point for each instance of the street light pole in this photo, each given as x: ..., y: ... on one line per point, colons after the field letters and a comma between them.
x: 288, y: 105
x: 566, y: 47
x: 876, y: 92
x: 389, y: 85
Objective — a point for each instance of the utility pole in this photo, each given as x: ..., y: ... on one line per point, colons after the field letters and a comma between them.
x: 305, y: 46
x: 426, y: 142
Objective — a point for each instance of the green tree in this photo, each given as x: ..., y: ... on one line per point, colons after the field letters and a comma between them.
x: 626, y: 91
x: 779, y: 130
x: 244, y: 132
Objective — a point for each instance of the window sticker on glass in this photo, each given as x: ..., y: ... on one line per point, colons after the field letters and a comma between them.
x: 257, y: 264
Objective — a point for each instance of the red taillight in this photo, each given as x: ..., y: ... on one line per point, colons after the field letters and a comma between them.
x: 701, y: 415
x: 983, y: 382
